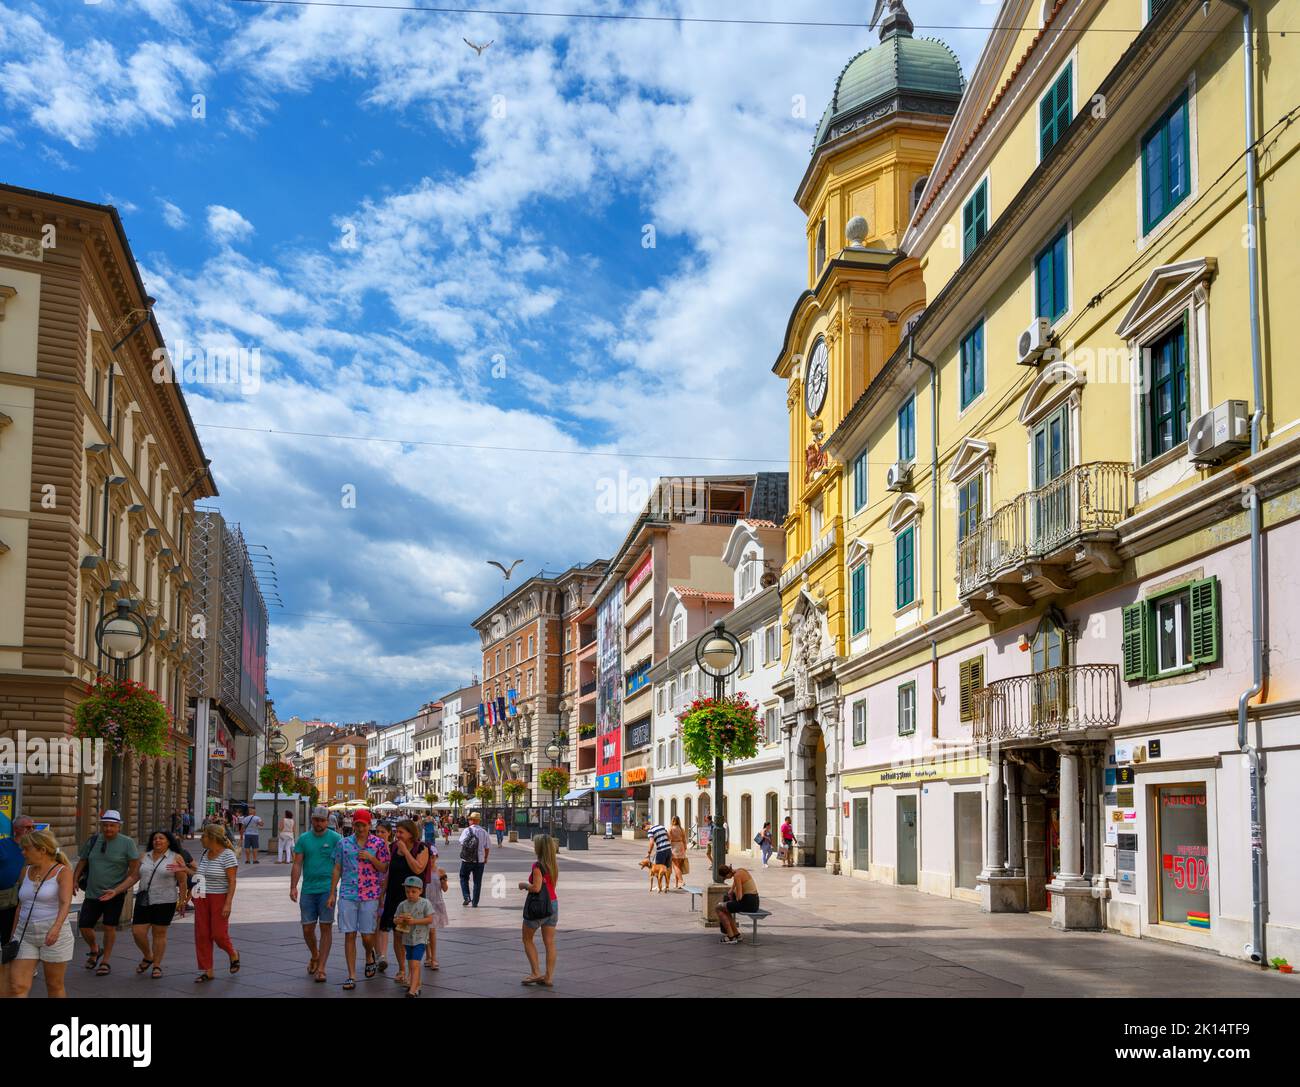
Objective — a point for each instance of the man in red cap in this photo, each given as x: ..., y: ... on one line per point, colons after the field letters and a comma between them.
x: 359, y: 864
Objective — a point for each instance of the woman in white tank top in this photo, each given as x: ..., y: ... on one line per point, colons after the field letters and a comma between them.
x: 41, y: 926
x: 285, y: 839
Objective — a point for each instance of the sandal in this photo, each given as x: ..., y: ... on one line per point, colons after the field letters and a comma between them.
x: 103, y: 970
x: 92, y: 958
x: 383, y: 965
x: 235, y: 964
x: 531, y: 981
x: 320, y: 976
x: 202, y: 978
x: 401, y: 979
x: 371, y: 967
x: 311, y: 966
x: 351, y: 983
x: 156, y: 972
x: 144, y: 965
x: 415, y: 992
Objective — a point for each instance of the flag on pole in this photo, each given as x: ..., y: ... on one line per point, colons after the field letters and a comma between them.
x: 482, y: 715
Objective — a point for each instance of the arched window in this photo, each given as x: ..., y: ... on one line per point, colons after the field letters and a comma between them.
x: 1050, y: 653
x: 918, y: 190
x: 821, y: 246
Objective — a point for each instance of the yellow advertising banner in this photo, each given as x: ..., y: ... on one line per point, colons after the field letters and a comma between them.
x: 919, y: 773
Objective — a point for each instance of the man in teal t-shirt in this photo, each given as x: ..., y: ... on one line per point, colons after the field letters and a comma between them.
x: 313, y: 862
x: 111, y: 862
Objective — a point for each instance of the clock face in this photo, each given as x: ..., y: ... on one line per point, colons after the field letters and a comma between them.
x: 815, y: 381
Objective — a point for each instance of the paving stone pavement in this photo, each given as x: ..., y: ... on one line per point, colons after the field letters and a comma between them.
x: 828, y: 936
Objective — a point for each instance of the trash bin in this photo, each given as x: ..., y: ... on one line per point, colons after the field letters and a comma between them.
x: 577, y: 839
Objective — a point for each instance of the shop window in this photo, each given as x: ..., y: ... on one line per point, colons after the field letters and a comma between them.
x: 862, y: 833
x: 1183, y: 847
x: 968, y: 837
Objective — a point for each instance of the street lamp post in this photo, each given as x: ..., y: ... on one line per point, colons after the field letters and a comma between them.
x: 554, y: 752
x: 718, y: 655
x: 512, y: 831
x: 121, y: 635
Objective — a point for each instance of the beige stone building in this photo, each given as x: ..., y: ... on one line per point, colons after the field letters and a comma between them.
x: 99, y: 469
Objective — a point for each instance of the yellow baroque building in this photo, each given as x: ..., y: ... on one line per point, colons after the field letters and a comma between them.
x: 872, y: 155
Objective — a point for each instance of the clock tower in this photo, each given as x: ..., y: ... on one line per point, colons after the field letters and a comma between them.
x: 871, y: 158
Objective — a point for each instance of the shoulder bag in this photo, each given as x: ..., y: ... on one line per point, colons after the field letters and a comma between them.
x: 9, y: 951
x: 142, y: 897
x: 537, y: 904
x: 85, y: 876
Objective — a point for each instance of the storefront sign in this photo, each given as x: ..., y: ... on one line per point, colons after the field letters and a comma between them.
x: 1123, y: 753
x: 1126, y: 860
x: 1110, y: 777
x: 1124, y: 797
x: 1128, y: 883
x: 608, y: 781
x: 1128, y: 841
x: 1111, y: 800
x: 1124, y: 775
x: 919, y: 772
x: 636, y: 776
x: 1153, y: 748
x: 637, y: 577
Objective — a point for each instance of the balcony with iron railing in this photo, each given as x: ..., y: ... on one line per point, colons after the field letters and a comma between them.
x: 587, y: 689
x: 1042, y: 541
x: 1047, y: 705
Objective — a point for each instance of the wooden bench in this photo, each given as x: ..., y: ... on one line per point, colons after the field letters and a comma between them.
x: 694, y: 892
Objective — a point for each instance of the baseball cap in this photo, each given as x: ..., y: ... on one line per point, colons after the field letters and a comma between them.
x: 361, y: 816
x: 412, y: 881
x: 111, y: 816
x: 320, y: 813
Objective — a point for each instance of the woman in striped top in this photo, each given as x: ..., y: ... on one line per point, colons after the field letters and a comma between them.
x: 214, y: 895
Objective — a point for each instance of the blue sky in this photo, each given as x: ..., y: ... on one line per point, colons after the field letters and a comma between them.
x: 425, y: 244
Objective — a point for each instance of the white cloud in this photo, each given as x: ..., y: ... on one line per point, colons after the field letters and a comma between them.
x: 172, y: 215
x: 226, y: 225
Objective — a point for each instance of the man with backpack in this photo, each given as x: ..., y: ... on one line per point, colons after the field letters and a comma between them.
x: 474, y: 848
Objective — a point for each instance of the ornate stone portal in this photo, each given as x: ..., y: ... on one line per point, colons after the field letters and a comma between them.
x: 811, y: 716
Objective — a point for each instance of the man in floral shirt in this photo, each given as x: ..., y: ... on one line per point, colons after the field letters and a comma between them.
x: 359, y: 864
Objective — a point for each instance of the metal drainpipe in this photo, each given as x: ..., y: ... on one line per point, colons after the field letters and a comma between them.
x: 912, y: 356
x: 1257, y: 950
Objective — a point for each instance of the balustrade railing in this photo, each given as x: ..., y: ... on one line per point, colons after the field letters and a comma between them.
x: 1047, y: 703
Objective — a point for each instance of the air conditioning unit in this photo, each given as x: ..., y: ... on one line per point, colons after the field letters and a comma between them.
x: 1218, y: 434
x: 899, y: 476
x: 1034, y: 342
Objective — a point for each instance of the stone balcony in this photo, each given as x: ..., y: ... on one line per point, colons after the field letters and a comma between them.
x: 1053, y: 704
x: 1043, y: 541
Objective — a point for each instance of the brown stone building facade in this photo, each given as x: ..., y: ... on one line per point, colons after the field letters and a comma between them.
x: 523, y: 652
x: 100, y: 466
x: 339, y: 772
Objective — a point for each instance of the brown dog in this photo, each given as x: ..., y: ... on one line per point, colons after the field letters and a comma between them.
x: 658, y: 874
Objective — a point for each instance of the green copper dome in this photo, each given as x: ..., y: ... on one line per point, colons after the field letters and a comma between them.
x: 901, y: 74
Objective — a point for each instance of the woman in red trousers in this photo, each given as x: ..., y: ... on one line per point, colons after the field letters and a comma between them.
x: 214, y: 894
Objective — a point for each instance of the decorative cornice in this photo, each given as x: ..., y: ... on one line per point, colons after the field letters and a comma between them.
x: 18, y: 245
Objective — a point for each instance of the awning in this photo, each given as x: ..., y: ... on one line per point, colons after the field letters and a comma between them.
x: 576, y: 794
x: 385, y: 764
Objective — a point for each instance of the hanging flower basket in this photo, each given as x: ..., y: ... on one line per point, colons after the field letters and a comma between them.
x: 486, y: 794
x: 126, y: 715
x: 276, y: 777
x: 554, y: 779
x: 513, y: 788
x: 713, y: 729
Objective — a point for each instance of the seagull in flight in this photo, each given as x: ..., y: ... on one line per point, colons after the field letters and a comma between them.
x: 479, y: 50
x: 493, y: 562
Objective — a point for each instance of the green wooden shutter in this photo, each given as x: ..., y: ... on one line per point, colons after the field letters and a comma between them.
x: 1136, y: 656
x: 1205, y: 620
x: 972, y: 679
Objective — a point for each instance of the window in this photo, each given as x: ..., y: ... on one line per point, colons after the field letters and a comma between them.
x: 971, y: 674
x: 918, y: 190
x: 860, y: 722
x: 970, y: 504
x: 679, y: 630
x: 772, y: 643
x: 1051, y: 278
x: 672, y: 694
x: 821, y: 247
x: 817, y: 519
x: 771, y: 725
x: 975, y: 219
x: 532, y: 644
x: 968, y: 837
x: 907, y: 430
x: 1164, y: 404
x: 1173, y: 632
x: 1055, y: 111
x: 1182, y: 839
x: 1166, y: 164
x: 860, y: 481
x: 907, y: 709
x: 858, y: 598
x: 905, y: 567
x: 972, y: 367
x: 746, y: 656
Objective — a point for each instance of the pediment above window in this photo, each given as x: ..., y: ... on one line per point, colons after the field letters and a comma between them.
x: 970, y: 455
x: 1166, y: 291
x: 857, y: 551
x: 1053, y: 385
x: 906, y: 508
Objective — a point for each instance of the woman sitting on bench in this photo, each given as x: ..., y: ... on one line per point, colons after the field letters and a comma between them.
x: 742, y: 898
